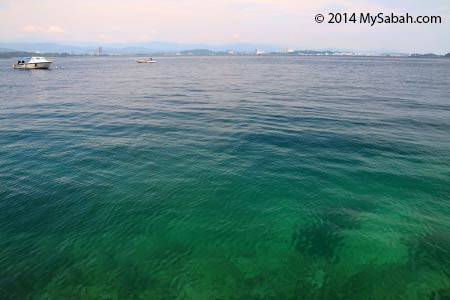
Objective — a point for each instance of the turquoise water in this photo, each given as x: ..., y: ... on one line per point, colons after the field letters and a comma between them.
x: 226, y: 178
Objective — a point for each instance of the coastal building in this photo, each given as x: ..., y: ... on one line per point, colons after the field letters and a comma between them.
x: 99, y: 51
x: 344, y: 53
x: 259, y: 52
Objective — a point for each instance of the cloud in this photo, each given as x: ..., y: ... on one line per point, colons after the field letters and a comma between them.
x: 29, y: 28
x: 55, y: 29
x: 40, y: 29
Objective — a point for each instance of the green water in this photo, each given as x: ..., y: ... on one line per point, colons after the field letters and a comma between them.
x: 226, y: 178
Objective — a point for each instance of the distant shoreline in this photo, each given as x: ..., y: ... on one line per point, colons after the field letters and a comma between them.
x: 7, y: 55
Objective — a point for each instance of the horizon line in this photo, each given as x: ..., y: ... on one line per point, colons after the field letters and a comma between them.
x: 206, y: 44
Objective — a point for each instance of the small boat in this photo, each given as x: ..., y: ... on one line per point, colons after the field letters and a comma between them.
x: 146, y: 61
x: 34, y: 62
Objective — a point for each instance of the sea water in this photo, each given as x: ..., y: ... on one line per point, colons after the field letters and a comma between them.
x: 207, y: 178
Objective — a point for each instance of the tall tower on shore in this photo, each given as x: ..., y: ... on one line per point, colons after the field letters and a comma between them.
x: 99, y: 51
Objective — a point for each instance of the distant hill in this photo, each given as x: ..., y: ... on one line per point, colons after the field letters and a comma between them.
x: 10, y: 49
x: 15, y: 54
x: 131, y: 48
x: 7, y: 50
x: 47, y: 48
x: 427, y: 55
x: 197, y: 52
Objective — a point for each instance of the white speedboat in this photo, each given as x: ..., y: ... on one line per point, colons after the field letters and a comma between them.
x: 146, y: 61
x: 34, y: 62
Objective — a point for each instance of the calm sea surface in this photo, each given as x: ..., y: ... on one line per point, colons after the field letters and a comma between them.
x: 207, y: 178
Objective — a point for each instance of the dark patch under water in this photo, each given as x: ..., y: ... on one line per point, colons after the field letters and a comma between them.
x: 324, y: 236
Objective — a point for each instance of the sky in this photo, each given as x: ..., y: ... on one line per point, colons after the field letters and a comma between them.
x: 285, y: 23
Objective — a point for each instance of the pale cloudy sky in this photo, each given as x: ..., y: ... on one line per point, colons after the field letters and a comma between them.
x: 287, y: 23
